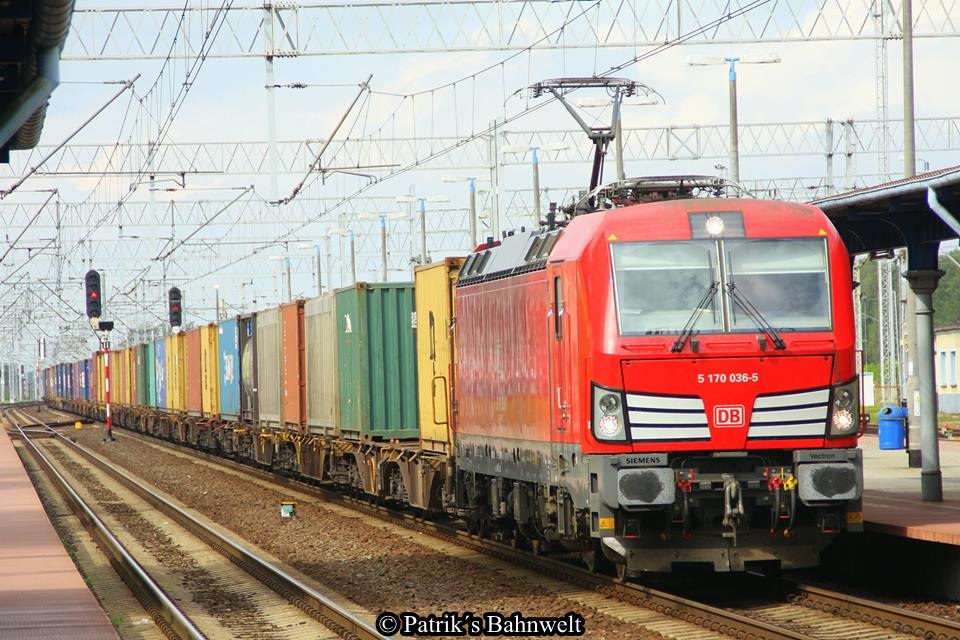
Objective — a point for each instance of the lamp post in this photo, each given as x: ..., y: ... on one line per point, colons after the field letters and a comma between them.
x: 276, y: 287
x: 424, y: 257
x: 340, y: 232
x: 731, y: 62
x: 383, y: 217
x: 472, y: 180
x: 318, y: 274
x: 535, y: 166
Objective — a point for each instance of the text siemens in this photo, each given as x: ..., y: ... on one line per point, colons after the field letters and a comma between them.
x: 711, y: 378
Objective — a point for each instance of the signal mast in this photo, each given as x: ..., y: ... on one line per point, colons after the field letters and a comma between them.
x: 102, y: 329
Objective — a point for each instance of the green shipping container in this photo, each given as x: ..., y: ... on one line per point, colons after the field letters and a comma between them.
x: 140, y: 353
x: 150, y: 355
x: 377, y: 361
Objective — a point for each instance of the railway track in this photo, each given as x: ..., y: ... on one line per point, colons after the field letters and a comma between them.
x: 200, y: 583
x: 799, y: 611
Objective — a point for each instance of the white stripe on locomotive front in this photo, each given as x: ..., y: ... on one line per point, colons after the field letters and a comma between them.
x: 810, y: 413
x: 669, y: 433
x: 787, y: 430
x: 820, y: 396
x: 640, y: 401
x: 656, y: 417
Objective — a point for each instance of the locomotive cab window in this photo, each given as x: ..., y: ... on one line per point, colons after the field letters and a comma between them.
x: 663, y: 287
x: 659, y: 285
x: 547, y: 245
x: 786, y: 279
x: 534, y: 250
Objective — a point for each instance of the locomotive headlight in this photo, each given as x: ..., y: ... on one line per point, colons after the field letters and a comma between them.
x: 845, y: 409
x: 609, y: 427
x: 609, y: 403
x: 608, y: 423
x: 714, y: 225
x: 842, y: 422
x: 843, y: 399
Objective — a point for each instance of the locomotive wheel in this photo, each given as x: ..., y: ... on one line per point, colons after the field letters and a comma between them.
x: 594, y: 559
x: 621, y: 572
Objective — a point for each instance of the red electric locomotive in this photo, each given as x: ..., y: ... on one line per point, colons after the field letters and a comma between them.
x: 667, y: 383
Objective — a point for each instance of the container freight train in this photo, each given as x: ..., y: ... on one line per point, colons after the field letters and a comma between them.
x: 659, y: 385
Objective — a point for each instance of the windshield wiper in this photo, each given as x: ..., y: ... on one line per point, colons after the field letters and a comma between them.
x: 702, y: 306
x: 756, y: 316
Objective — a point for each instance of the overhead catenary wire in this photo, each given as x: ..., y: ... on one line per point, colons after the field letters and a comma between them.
x: 490, y: 129
x: 28, y: 225
x: 475, y: 131
x: 315, y: 165
x: 5, y: 192
x: 210, y: 37
x: 164, y: 256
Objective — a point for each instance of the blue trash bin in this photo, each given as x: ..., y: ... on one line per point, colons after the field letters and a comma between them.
x: 893, y: 431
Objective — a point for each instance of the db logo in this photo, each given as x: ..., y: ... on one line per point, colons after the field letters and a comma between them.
x: 728, y: 415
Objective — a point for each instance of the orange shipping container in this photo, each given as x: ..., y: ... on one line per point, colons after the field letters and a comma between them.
x: 194, y: 369
x: 293, y: 406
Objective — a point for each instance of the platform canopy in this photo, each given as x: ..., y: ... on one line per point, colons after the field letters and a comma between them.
x: 32, y: 34
x: 917, y: 213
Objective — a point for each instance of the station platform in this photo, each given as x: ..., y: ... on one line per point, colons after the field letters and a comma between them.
x: 891, y: 497
x: 42, y: 594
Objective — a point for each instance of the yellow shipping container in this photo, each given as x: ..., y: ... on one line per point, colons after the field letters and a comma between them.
x: 209, y: 370
x: 115, y: 382
x: 125, y: 367
x: 176, y: 374
x: 125, y: 376
x: 131, y: 370
x: 435, y: 356
x: 98, y: 358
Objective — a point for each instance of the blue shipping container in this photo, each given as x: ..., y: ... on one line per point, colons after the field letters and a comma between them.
x: 160, y: 371
x: 86, y: 379
x: 229, y: 370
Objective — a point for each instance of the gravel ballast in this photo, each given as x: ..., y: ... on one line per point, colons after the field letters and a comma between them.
x: 379, y: 566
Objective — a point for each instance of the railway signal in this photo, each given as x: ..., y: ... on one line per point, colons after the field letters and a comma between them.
x: 94, y: 298
x: 94, y: 295
x: 176, y: 307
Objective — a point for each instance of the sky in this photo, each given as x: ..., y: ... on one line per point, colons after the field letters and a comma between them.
x: 428, y: 100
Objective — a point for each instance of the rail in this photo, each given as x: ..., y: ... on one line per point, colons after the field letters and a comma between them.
x: 171, y: 620
x: 333, y: 615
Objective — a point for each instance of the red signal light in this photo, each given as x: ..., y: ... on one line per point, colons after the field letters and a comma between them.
x: 93, y: 295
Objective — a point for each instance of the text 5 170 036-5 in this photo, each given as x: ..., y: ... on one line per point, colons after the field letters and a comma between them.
x: 713, y: 378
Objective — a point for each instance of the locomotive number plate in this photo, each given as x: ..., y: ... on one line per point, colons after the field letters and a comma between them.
x: 721, y: 378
